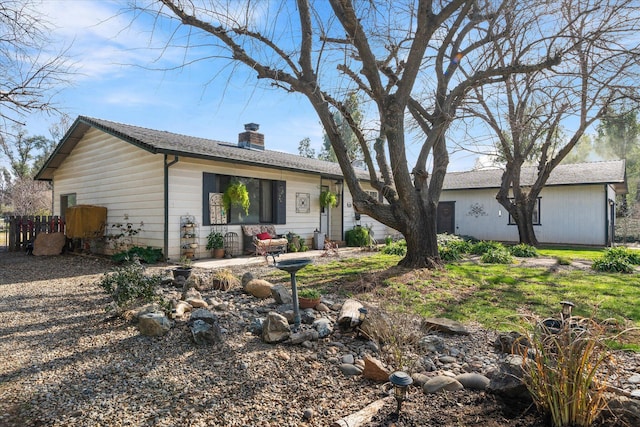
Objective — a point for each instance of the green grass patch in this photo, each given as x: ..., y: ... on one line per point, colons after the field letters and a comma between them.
x: 571, y: 253
x: 494, y: 295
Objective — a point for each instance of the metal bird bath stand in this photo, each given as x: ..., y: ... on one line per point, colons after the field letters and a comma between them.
x: 292, y: 266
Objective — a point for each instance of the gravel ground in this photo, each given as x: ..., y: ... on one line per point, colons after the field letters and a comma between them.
x: 65, y: 362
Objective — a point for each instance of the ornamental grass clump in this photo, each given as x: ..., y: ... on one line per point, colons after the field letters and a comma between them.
x: 566, y: 372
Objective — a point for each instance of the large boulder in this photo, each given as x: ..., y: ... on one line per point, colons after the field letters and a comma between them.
x: 204, y: 333
x: 259, y: 288
x: 49, y: 244
x: 153, y: 324
x: 275, y: 328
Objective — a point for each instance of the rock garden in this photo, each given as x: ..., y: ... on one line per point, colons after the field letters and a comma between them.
x: 212, y: 352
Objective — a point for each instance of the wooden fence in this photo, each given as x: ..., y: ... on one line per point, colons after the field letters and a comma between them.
x: 24, y: 229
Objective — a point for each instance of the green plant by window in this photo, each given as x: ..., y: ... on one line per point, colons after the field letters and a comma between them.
x: 327, y: 198
x: 215, y: 240
x: 236, y: 194
x: 128, y: 285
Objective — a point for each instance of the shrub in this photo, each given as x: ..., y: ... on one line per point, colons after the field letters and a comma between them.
x: 396, y: 248
x: 630, y: 255
x: 497, y: 256
x: 523, y: 251
x: 482, y: 247
x: 128, y: 284
x: 565, y: 372
x: 445, y: 238
x: 147, y: 255
x: 358, y: 236
x: 563, y: 260
x: 617, y: 260
x: 614, y: 265
x: 450, y: 253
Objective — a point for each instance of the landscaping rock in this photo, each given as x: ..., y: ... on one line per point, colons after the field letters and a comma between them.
x: 444, y: 325
x: 153, y: 324
x: 441, y: 383
x: 258, y: 288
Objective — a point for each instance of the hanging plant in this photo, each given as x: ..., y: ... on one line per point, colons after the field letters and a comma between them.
x: 236, y: 194
x: 327, y: 198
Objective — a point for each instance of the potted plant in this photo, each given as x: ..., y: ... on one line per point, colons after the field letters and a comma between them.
x: 308, y: 298
x: 224, y: 280
x: 236, y: 194
x: 215, y: 243
x: 184, y: 268
x: 327, y: 198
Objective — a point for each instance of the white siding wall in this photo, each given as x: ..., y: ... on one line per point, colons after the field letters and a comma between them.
x: 106, y: 171
x: 568, y: 214
x: 185, y: 198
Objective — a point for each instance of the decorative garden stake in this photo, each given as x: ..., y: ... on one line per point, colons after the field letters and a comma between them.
x: 401, y: 382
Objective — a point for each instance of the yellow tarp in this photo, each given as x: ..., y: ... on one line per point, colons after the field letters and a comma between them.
x: 83, y: 221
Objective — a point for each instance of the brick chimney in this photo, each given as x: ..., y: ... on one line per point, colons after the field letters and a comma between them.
x: 251, y: 138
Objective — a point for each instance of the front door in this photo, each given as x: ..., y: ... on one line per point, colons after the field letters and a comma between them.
x: 324, y: 216
x: 446, y: 221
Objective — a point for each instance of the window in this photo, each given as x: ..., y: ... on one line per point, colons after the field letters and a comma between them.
x: 267, y: 199
x: 373, y: 193
x: 535, y: 216
x: 66, y: 201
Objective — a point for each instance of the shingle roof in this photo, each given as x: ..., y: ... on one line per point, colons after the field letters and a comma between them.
x: 156, y: 141
x: 607, y: 172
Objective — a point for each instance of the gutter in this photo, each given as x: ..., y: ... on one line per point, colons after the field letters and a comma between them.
x: 167, y: 165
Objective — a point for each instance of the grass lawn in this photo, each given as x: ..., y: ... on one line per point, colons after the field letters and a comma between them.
x: 493, y: 295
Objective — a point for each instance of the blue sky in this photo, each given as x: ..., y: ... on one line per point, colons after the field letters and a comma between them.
x: 114, y: 81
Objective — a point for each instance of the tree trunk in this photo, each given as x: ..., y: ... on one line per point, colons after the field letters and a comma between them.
x: 422, y: 242
x: 525, y: 229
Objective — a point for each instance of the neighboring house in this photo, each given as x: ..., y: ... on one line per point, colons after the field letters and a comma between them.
x: 158, y: 178
x: 577, y: 205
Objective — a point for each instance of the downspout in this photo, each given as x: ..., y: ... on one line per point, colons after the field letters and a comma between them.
x: 166, y: 202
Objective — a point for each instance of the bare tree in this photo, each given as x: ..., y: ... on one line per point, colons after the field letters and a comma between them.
x: 539, y: 118
x: 417, y: 55
x: 29, y: 197
x: 29, y: 72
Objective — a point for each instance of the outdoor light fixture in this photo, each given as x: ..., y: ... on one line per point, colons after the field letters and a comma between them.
x: 566, y: 309
x: 401, y: 382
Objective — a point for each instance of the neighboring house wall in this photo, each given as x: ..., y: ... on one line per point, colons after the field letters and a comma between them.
x: 106, y: 171
x: 574, y: 214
